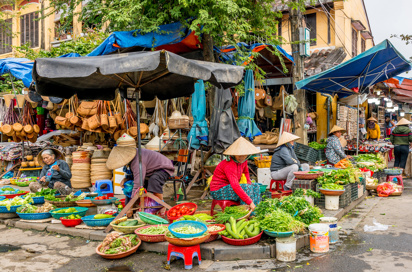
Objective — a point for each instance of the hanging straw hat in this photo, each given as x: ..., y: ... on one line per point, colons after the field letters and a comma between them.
x: 58, y: 154
x: 241, y: 147
x: 286, y: 138
x: 372, y: 119
x: 123, y: 153
x: 336, y: 129
x: 403, y: 122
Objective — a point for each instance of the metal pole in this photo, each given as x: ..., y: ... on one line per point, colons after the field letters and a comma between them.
x: 125, y: 110
x: 139, y: 140
x: 357, y: 131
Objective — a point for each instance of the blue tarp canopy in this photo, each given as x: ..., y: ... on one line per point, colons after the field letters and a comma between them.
x: 199, y: 131
x: 171, y: 34
x: 377, y: 64
x: 228, y: 53
x: 246, y: 109
x: 20, y: 68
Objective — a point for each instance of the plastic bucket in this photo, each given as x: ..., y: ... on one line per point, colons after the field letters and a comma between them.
x: 286, y: 249
x: 319, y: 238
x: 332, y: 222
x: 331, y: 202
x: 310, y: 199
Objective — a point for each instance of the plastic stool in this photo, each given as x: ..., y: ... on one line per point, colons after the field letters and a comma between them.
x: 187, y: 253
x: 279, y: 185
x: 106, y: 191
x: 223, y: 204
x: 395, y: 179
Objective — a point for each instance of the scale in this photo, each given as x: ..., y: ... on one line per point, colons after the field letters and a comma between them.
x: 30, y: 172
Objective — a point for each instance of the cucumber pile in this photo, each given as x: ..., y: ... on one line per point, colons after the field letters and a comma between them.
x: 241, y: 230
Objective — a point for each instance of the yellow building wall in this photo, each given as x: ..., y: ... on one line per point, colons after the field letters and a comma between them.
x: 47, y: 24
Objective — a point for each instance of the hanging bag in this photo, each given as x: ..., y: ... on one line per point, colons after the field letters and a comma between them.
x: 75, y: 119
x: 60, y: 120
x: 104, y: 119
x: 94, y: 120
x: 87, y: 108
x: 112, y: 119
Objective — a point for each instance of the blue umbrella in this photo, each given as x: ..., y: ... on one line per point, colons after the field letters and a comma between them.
x: 199, y: 131
x: 246, y: 109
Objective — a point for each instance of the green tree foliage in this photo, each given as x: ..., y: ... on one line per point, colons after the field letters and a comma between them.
x: 82, y: 45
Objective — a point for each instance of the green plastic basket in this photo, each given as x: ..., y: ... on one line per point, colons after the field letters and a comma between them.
x: 152, y: 219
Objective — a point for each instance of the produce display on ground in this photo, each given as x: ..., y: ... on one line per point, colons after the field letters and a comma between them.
x: 233, y: 211
x: 241, y: 230
x: 16, y: 201
x: 70, y: 197
x: 154, y: 230
x: 317, y: 146
x: 306, y: 192
x: 331, y: 186
x: 114, y: 243
x: 377, y: 159
x: 28, y: 208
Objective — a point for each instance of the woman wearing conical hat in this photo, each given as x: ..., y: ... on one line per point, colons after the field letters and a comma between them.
x: 373, y: 130
x: 401, y: 137
x: 334, y: 149
x: 156, y: 168
x: 225, y: 182
x: 284, y: 161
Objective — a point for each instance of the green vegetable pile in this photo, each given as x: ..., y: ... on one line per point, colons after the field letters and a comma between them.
x: 154, y: 230
x: 16, y: 201
x: 114, y: 244
x: 129, y: 223
x: 187, y: 230
x: 296, y: 206
x: 332, y: 186
x: 306, y: 192
x: 72, y: 216
x: 71, y: 197
x: 241, y: 230
x: 317, y: 146
x: 281, y: 221
x: 233, y: 211
x: 342, y: 176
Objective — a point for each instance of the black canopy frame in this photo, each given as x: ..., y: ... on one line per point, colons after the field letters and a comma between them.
x: 159, y: 74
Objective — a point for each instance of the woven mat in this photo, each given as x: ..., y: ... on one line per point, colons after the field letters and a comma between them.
x: 47, y: 220
x: 83, y: 226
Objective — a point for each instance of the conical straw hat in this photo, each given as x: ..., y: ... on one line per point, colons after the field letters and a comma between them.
x: 336, y: 129
x: 403, y: 122
x: 372, y: 119
x: 123, y: 153
x: 241, y: 147
x: 286, y: 138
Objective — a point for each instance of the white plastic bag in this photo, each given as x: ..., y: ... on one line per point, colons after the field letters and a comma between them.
x: 377, y: 226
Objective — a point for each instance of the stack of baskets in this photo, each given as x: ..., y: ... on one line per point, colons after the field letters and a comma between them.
x: 81, y: 170
x: 99, y: 170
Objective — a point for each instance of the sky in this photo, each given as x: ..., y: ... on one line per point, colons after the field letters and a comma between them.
x: 387, y: 17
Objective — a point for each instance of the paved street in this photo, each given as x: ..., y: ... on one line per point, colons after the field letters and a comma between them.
x: 389, y: 250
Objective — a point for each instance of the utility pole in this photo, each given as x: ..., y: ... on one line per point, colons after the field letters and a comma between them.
x: 296, y: 22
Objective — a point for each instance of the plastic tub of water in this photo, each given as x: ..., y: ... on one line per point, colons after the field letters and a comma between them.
x: 332, y: 222
x: 331, y: 202
x: 319, y: 238
x: 286, y: 249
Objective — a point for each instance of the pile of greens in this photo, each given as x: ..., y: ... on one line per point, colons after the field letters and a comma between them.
x: 306, y: 192
x: 295, y: 206
x: 233, y: 211
x: 120, y: 244
x: 281, y: 221
x: 16, y: 201
x: 317, y: 146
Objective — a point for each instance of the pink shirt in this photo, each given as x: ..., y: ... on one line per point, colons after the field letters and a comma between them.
x: 230, y: 172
